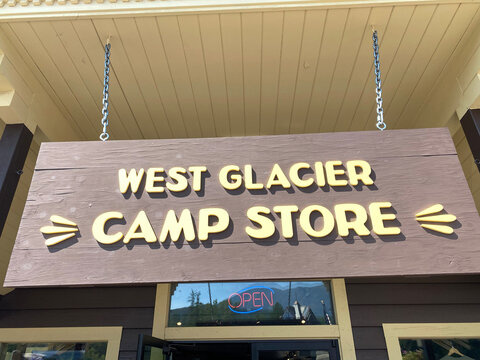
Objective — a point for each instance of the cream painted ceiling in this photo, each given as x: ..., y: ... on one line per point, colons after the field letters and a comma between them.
x: 244, y: 73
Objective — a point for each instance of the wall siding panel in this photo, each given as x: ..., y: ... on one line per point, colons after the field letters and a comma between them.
x: 129, y: 307
x: 373, y: 302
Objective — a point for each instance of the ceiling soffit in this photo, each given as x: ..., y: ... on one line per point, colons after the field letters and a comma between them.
x: 245, y: 73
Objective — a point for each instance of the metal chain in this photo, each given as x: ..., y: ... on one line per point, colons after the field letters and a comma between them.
x: 376, y: 61
x: 106, y: 78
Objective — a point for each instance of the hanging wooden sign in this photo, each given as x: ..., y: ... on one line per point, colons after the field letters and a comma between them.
x: 246, y: 208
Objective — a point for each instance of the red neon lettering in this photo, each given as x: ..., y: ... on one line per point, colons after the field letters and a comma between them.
x: 264, y: 295
x: 259, y: 298
x: 244, y: 298
x: 232, y: 306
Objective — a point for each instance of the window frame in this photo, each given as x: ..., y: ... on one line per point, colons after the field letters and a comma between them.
x: 111, y: 335
x: 414, y: 331
x: 342, y: 331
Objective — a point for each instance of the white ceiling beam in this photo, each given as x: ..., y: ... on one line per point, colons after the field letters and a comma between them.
x: 22, y: 10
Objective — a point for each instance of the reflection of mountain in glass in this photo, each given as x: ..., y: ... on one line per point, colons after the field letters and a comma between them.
x: 298, y: 305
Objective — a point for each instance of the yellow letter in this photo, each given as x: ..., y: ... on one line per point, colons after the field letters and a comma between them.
x: 175, y: 227
x: 332, y: 173
x: 146, y: 232
x: 320, y: 174
x: 267, y: 227
x: 364, y: 175
x: 98, y: 228
x: 132, y: 179
x: 249, y: 184
x: 152, y: 178
x: 286, y: 217
x: 328, y: 221
x: 277, y: 177
x: 296, y: 179
x: 204, y: 227
x: 223, y: 177
x: 197, y: 176
x: 176, y: 174
x: 378, y: 218
x: 358, y: 224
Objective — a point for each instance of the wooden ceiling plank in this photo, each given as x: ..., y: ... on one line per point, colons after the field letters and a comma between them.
x: 389, y: 42
x: 94, y: 85
x: 147, y: 27
x: 293, y: 30
x: 126, y: 78
x: 362, y: 72
x: 398, y: 72
x: 94, y: 49
x: 131, y: 40
x: 252, y: 64
x: 441, y: 102
x: 334, y: 27
x: 192, y: 44
x: 292, y: 37
x: 311, y: 43
x: 356, y: 29
x: 16, y: 80
x: 212, y: 50
x: 442, y: 56
x: 469, y: 71
x: 51, y: 72
x: 420, y: 61
x: 231, y: 26
x: 172, y: 42
x: 271, y: 49
x: 25, y: 67
x: 60, y: 58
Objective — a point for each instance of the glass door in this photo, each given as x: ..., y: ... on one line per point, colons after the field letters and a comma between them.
x: 152, y: 348
x: 296, y: 350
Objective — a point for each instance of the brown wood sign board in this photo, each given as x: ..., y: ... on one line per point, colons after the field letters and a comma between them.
x: 247, y: 208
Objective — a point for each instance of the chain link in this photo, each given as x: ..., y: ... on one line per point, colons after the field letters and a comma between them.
x: 106, y: 79
x: 378, y: 82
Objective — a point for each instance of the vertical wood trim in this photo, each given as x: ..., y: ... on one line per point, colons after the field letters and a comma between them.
x: 14, y: 145
x: 342, y: 314
x: 393, y: 344
x: 162, y: 306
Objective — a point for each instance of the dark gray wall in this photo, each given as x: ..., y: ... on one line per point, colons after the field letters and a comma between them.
x: 130, y: 307
x: 373, y: 302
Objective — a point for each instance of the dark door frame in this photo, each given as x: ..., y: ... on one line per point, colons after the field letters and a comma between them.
x: 256, y: 345
x: 326, y: 345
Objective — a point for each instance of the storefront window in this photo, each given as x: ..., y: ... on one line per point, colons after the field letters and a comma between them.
x: 251, y: 303
x: 440, y: 349
x: 53, y: 351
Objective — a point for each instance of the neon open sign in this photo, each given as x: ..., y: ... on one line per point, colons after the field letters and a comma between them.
x: 251, y: 299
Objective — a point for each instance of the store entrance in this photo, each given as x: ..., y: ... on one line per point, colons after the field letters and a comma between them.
x: 150, y: 348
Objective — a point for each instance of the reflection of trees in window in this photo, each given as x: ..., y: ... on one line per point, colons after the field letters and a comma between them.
x: 53, y: 351
x: 440, y: 349
x: 292, y: 304
x: 96, y: 351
